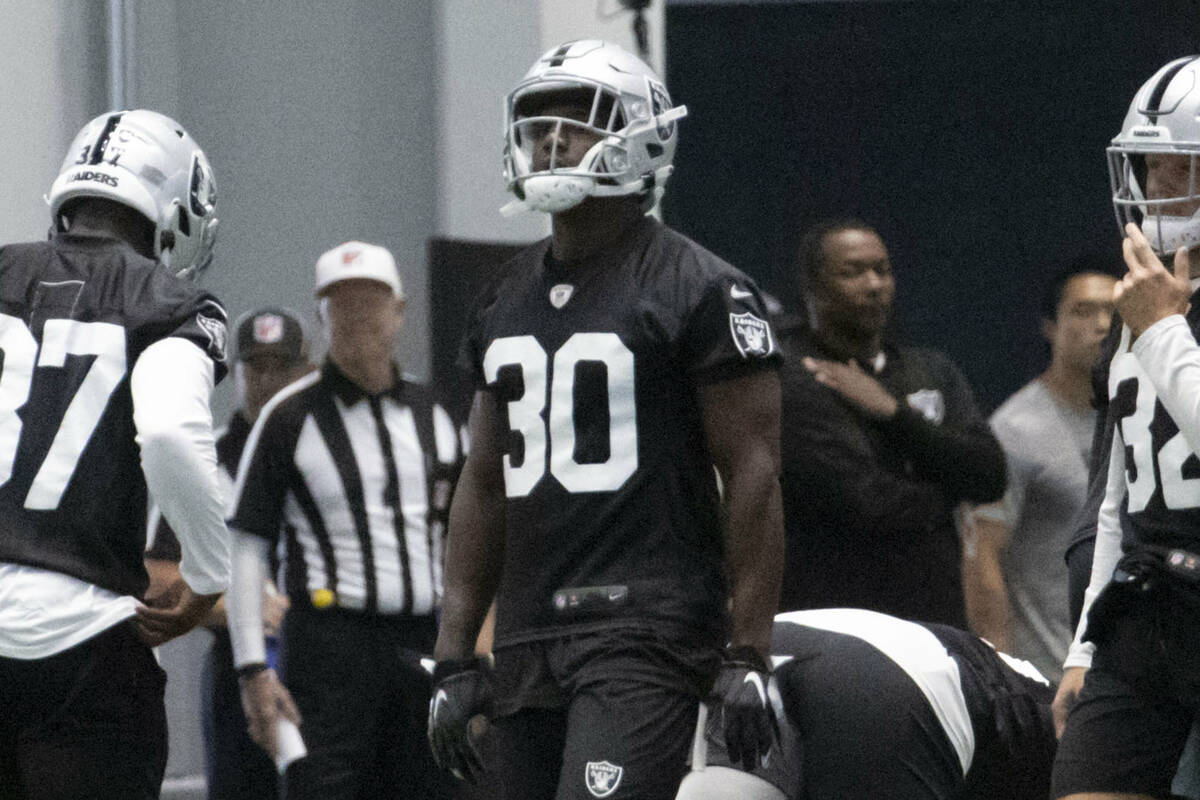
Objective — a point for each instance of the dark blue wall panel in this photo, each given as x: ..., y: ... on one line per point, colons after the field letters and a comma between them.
x: 971, y: 134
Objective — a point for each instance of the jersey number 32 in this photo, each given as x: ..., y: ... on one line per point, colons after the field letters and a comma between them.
x: 1179, y: 492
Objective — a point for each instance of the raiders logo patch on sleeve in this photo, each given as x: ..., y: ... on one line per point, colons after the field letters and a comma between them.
x: 751, y: 335
x: 218, y: 335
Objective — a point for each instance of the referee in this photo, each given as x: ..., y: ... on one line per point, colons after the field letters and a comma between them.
x: 346, y: 477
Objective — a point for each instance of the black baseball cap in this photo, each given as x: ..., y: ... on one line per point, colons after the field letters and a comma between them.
x: 274, y: 331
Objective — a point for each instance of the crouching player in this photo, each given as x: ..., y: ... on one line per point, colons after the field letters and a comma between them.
x: 874, y: 706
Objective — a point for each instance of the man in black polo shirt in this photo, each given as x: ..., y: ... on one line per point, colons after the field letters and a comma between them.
x: 881, y: 443
x: 346, y: 477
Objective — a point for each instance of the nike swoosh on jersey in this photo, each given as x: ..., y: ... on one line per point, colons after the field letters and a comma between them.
x: 739, y: 294
x: 756, y: 679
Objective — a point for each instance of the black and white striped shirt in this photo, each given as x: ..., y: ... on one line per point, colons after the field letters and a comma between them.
x: 353, y: 490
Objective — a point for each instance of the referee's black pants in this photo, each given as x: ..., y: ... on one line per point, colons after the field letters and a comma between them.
x: 364, y: 699
x: 85, y: 723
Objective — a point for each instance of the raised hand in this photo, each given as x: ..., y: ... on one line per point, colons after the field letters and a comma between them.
x: 1148, y: 292
x: 852, y: 383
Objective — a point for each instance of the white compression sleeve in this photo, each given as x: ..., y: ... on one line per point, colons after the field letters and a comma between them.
x: 1107, y: 552
x: 1168, y: 353
x: 243, y: 603
x: 171, y: 384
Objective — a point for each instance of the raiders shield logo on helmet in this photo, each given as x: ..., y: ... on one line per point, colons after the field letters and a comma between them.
x: 602, y: 778
x: 661, y: 103
x: 751, y: 335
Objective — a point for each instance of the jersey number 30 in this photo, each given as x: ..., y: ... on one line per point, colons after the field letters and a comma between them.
x: 60, y: 337
x: 525, y: 413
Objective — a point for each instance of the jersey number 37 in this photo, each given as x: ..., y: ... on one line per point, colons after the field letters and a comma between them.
x: 60, y: 337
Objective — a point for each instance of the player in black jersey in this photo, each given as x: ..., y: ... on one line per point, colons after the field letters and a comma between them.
x: 1127, y: 721
x: 872, y: 706
x: 616, y: 364
x: 108, y: 362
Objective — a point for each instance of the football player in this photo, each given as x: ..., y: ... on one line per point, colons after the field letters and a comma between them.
x: 109, y: 359
x: 1126, y: 723
x: 874, y: 706
x: 616, y: 363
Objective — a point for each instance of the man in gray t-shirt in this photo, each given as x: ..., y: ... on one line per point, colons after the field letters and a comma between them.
x: 1014, y: 574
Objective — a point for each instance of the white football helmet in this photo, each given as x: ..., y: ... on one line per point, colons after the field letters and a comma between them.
x: 1163, y: 119
x: 145, y: 160
x: 631, y: 113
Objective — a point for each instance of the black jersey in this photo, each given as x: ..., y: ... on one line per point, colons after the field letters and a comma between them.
x: 75, y: 315
x: 1161, y: 506
x: 610, y: 487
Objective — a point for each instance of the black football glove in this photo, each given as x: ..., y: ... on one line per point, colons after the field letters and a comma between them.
x: 749, y: 721
x: 462, y: 689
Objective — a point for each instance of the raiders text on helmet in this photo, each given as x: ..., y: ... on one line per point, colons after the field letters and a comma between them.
x: 631, y: 114
x: 146, y: 161
x: 1162, y: 125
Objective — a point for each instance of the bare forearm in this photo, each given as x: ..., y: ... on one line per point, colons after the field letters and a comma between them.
x: 474, y: 554
x: 987, y: 601
x: 754, y: 544
x: 217, y: 617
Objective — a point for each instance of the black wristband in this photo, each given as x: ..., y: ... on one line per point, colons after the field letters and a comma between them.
x: 246, y: 671
x: 746, y: 654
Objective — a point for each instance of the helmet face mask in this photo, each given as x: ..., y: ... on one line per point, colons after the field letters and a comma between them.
x: 146, y: 161
x: 1154, y: 162
x: 1168, y: 215
x: 596, y: 93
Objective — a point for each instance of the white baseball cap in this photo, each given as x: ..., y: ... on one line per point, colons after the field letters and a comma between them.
x: 358, y: 260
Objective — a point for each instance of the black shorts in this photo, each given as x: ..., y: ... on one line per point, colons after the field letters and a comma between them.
x: 1129, y: 725
x: 364, y: 699
x: 84, y: 723
x: 597, y: 715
